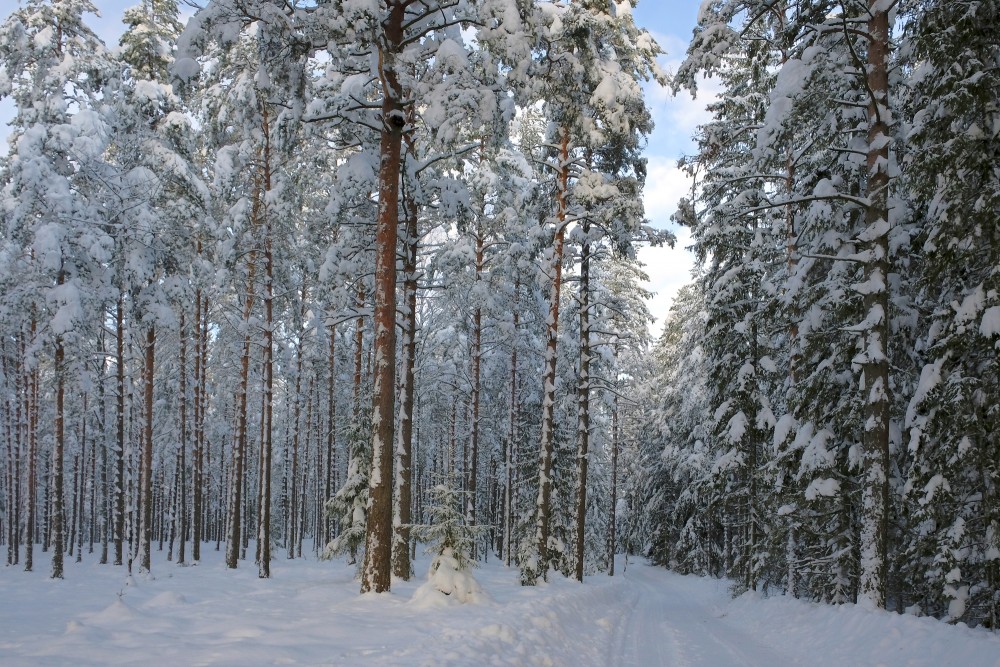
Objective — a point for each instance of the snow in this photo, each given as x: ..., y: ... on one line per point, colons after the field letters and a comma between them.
x: 930, y: 377
x: 310, y: 613
x: 447, y: 584
x: 822, y: 487
x: 990, y: 325
x: 186, y: 69
x: 971, y: 305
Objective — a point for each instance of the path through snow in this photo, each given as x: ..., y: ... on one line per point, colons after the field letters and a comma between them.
x: 673, y: 623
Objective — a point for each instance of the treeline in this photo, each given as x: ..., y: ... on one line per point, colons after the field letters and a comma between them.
x: 269, y: 278
x: 829, y: 386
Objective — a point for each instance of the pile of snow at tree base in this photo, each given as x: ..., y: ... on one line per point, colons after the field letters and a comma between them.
x: 310, y: 613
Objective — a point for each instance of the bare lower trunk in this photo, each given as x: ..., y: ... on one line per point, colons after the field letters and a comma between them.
x: 146, y: 471
x: 477, y: 363
x: 197, y: 488
x: 875, y: 369
x: 31, y: 420
x: 547, y: 447
x: 81, y: 488
x: 331, y: 431
x: 401, y: 549
x: 120, y: 431
x: 58, y: 511
x: 264, y: 500
x: 583, y: 407
x: 375, y: 575
x: 235, y: 523
x: 182, y: 526
x: 612, y: 514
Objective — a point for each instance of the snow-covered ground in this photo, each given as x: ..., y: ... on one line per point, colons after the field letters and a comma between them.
x: 310, y: 613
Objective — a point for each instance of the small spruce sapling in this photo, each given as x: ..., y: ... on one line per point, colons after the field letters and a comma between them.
x: 350, y: 503
x: 451, y: 541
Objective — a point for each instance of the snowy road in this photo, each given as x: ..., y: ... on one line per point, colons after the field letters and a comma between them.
x: 673, y: 624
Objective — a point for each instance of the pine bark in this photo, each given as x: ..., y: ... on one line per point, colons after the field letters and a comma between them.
x: 58, y: 497
x: 875, y: 368
x: 182, y: 513
x: 401, y: 549
x: 146, y: 471
x: 81, y: 489
x: 583, y: 406
x: 331, y: 430
x: 613, y: 510
x: 31, y: 424
x: 375, y: 574
x: 235, y: 522
x: 547, y: 447
x: 264, y: 501
x: 197, y: 526
x: 477, y: 364
x: 295, y: 537
x: 119, y: 518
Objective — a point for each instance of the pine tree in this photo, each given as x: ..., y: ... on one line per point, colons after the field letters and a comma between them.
x: 55, y: 69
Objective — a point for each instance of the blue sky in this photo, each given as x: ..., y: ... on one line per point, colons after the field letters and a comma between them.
x: 670, y: 22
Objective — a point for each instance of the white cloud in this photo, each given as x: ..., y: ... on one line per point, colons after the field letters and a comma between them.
x: 665, y: 185
x: 669, y: 269
x: 676, y: 118
x: 689, y: 112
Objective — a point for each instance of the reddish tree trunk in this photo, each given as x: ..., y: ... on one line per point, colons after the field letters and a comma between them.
x: 375, y: 575
x: 546, y: 449
x: 401, y: 550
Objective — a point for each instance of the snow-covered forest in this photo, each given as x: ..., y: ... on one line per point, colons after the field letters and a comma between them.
x: 340, y: 279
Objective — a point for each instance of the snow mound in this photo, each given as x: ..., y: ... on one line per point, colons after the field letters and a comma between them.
x: 448, y: 584
x: 116, y: 612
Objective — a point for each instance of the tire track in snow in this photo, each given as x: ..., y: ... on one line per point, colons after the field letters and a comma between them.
x: 673, y: 626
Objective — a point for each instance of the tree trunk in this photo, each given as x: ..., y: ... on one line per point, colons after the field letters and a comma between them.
x: 80, y: 514
x: 612, y: 528
x: 875, y: 368
x: 583, y: 405
x: 264, y: 535
x: 182, y: 528
x: 31, y: 423
x: 106, y: 496
x: 235, y: 522
x: 12, y: 472
x: 146, y: 472
x: 477, y: 363
x: 295, y: 538
x: 74, y: 506
x: 509, y: 455
x: 197, y: 472
x: 401, y: 549
x: 57, y: 516
x: 375, y: 575
x: 331, y: 432
x: 120, y: 430
x: 547, y: 447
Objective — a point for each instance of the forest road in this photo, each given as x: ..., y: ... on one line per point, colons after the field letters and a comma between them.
x: 671, y: 625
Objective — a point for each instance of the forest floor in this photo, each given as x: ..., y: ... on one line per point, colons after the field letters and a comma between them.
x: 310, y: 613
